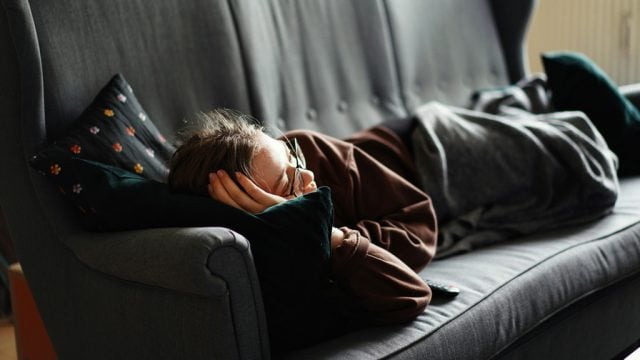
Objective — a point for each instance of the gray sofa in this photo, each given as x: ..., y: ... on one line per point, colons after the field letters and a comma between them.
x: 331, y: 66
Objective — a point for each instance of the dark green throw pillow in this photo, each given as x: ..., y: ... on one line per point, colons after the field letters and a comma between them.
x: 577, y: 83
x: 121, y: 200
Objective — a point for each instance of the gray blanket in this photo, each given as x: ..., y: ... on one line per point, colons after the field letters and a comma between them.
x: 493, y: 177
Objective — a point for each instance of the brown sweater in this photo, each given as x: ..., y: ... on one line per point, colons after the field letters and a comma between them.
x: 389, y: 223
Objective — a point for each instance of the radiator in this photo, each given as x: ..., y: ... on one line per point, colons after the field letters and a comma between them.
x: 607, y: 31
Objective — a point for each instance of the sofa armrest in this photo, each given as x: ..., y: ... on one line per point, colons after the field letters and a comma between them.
x: 170, y: 258
x: 632, y: 92
x: 208, y: 263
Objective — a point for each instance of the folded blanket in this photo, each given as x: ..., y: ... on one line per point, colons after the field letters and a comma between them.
x: 495, y: 177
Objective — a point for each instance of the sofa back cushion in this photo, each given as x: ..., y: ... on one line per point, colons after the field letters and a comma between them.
x: 445, y: 50
x: 181, y: 57
x: 340, y: 66
x: 321, y: 65
x: 331, y: 66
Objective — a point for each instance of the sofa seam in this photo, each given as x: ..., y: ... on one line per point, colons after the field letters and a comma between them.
x: 395, y: 57
x: 250, y: 84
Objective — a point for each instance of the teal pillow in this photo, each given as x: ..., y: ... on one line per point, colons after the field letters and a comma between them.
x: 577, y: 83
x: 121, y: 200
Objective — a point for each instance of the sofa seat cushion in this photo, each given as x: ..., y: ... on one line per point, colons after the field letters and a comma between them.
x: 508, y: 290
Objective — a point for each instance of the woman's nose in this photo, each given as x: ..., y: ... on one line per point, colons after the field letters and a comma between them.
x: 308, y: 183
x: 307, y: 176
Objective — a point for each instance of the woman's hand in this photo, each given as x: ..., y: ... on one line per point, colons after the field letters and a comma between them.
x: 337, y: 237
x: 249, y: 198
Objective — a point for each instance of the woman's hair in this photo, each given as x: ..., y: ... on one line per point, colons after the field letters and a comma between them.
x: 220, y: 139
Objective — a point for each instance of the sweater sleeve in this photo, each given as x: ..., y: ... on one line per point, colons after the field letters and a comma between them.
x: 389, y: 227
x: 372, y: 199
x: 379, y: 283
x: 392, y: 213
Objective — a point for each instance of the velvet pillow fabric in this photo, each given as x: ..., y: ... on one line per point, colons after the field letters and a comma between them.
x: 122, y: 200
x: 114, y: 129
x: 577, y: 83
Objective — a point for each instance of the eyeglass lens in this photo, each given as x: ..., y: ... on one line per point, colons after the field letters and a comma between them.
x: 297, y: 182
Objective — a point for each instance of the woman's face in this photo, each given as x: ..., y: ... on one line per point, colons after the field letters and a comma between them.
x: 274, y: 169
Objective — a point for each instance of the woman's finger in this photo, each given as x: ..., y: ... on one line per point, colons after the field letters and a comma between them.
x: 264, y: 198
x: 218, y: 192
x: 237, y: 194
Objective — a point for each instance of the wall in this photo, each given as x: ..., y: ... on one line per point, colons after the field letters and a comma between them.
x: 607, y: 31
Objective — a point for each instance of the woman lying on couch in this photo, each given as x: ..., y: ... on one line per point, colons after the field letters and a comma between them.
x: 491, y: 178
x: 380, y: 240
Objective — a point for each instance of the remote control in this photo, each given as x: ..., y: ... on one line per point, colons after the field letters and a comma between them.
x: 442, y: 288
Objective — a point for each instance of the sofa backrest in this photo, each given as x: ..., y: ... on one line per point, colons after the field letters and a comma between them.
x: 332, y: 66
x: 340, y: 66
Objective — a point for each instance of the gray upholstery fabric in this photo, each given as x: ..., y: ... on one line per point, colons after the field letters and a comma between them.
x: 172, y: 55
x: 106, y: 318
x: 55, y: 58
x: 333, y: 66
x: 322, y: 65
x: 428, y: 66
x: 210, y: 263
x: 615, y: 307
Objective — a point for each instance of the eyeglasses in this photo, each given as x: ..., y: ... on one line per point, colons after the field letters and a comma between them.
x: 296, y: 182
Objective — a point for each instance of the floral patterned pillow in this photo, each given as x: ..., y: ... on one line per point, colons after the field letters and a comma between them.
x: 114, y: 130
